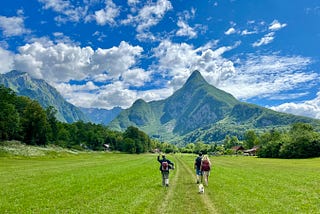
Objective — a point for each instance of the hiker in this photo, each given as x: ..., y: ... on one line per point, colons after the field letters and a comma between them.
x: 165, y: 166
x: 197, y: 167
x: 205, y: 168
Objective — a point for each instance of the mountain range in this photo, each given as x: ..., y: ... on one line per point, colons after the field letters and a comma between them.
x: 201, y: 112
x: 196, y: 112
x: 101, y: 116
x: 24, y: 85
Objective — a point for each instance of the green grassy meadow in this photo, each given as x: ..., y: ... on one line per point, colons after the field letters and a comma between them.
x: 123, y: 183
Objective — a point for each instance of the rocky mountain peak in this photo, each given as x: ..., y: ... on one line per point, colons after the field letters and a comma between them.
x: 195, y: 80
x: 15, y: 73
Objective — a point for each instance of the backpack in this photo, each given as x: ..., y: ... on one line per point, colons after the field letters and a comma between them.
x: 205, y: 165
x: 164, y: 166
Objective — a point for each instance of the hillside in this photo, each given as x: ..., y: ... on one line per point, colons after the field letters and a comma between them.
x: 201, y: 112
x: 46, y: 95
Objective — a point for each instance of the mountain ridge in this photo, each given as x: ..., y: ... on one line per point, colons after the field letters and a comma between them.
x: 37, y: 89
x: 101, y: 116
x: 199, y: 111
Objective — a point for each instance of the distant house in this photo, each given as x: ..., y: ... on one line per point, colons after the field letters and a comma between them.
x: 237, y: 149
x: 106, y: 147
x: 251, y: 152
x: 156, y: 150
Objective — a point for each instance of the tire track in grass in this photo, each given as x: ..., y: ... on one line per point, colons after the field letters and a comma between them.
x: 206, y: 200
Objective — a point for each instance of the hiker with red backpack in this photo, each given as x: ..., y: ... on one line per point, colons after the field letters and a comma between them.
x: 165, y: 166
x: 205, y: 168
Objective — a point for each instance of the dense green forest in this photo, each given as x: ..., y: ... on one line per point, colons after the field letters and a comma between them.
x: 300, y: 142
x: 25, y: 120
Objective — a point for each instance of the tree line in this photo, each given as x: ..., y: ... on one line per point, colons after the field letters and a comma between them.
x: 25, y: 120
x: 301, y: 140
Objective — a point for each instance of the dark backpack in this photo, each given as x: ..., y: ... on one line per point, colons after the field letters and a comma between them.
x: 164, y: 166
x: 205, y: 165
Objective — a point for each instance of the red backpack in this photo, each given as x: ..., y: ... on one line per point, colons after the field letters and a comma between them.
x: 164, y: 166
x: 205, y: 165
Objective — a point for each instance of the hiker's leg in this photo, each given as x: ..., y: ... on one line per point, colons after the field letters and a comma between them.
x: 198, y: 173
x: 166, y: 178
x: 201, y: 177
x: 163, y: 178
x: 207, y: 173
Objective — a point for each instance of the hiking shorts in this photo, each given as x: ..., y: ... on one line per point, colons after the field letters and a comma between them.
x: 198, y: 172
x: 206, y: 173
x: 165, y: 174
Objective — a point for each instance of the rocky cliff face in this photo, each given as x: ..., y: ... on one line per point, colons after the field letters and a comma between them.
x: 46, y: 95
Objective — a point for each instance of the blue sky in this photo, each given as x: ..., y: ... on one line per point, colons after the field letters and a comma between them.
x: 107, y: 53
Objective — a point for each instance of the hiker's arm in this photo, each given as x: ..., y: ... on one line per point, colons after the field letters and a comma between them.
x: 172, y: 165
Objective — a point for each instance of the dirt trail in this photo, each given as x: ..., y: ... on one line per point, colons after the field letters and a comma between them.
x: 182, y: 193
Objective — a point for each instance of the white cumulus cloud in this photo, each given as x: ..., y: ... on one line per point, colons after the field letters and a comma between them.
x: 310, y: 108
x: 13, y: 26
x: 276, y: 25
x: 247, y: 32
x: 115, y: 94
x: 268, y: 38
x: 230, y: 31
x: 185, y: 30
x: 60, y: 63
x: 6, y: 61
x: 177, y: 60
x: 64, y: 62
x: 66, y: 10
x: 108, y: 14
x: 149, y: 15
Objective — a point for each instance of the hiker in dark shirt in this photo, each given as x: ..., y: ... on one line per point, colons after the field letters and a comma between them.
x: 165, y: 166
x: 197, y: 167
